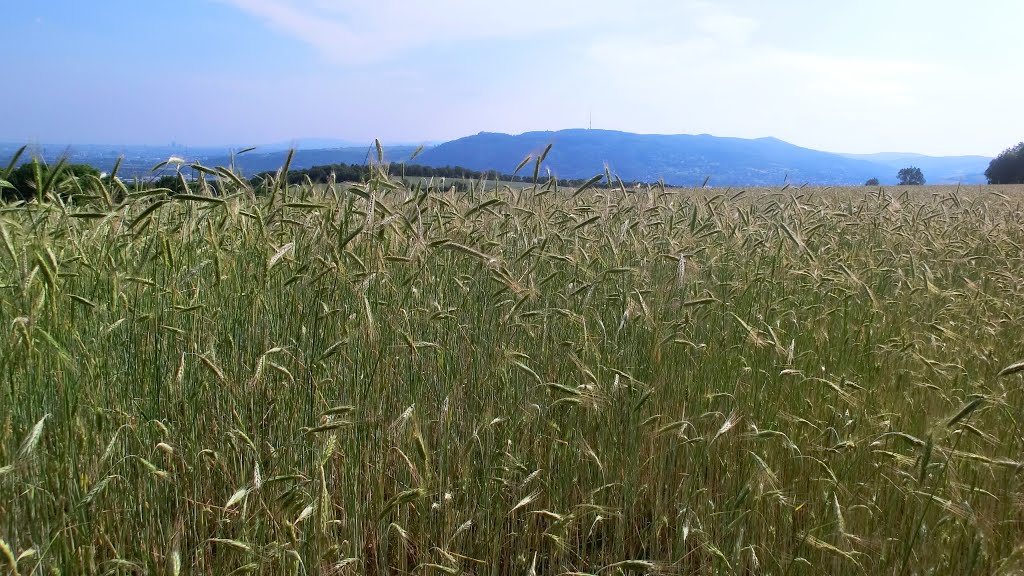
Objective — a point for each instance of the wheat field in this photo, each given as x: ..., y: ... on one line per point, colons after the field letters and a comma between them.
x: 373, y: 379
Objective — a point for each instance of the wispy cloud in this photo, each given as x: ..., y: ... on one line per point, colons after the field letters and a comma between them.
x: 367, y: 32
x: 726, y: 67
x: 671, y: 65
x: 835, y: 75
x: 725, y: 76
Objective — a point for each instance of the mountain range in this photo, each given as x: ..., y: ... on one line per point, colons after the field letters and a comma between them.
x: 687, y: 160
x: 679, y: 159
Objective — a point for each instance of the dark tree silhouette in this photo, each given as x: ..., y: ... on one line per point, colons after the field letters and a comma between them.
x: 1008, y: 167
x: 910, y: 176
x: 872, y: 182
x: 34, y: 179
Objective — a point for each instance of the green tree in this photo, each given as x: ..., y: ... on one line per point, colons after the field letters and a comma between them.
x: 1008, y: 167
x: 910, y: 176
x: 37, y: 180
x: 872, y: 182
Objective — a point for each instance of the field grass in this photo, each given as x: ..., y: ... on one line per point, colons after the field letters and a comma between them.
x: 377, y: 380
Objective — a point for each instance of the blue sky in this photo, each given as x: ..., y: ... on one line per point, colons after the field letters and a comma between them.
x: 932, y: 77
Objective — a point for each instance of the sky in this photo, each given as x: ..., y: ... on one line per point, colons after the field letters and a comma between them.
x: 935, y: 77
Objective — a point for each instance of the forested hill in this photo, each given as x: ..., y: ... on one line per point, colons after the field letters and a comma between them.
x: 682, y: 159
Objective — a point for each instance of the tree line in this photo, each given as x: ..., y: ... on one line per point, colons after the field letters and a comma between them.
x: 909, y: 176
x: 35, y: 180
x: 362, y: 172
x: 1006, y: 168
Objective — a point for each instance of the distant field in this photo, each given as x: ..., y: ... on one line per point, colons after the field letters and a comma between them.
x: 368, y: 379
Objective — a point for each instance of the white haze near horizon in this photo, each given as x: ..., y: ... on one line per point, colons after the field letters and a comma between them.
x: 935, y: 77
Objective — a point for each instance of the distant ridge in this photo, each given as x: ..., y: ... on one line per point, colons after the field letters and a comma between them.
x: 679, y: 159
x: 937, y: 169
x: 686, y: 160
